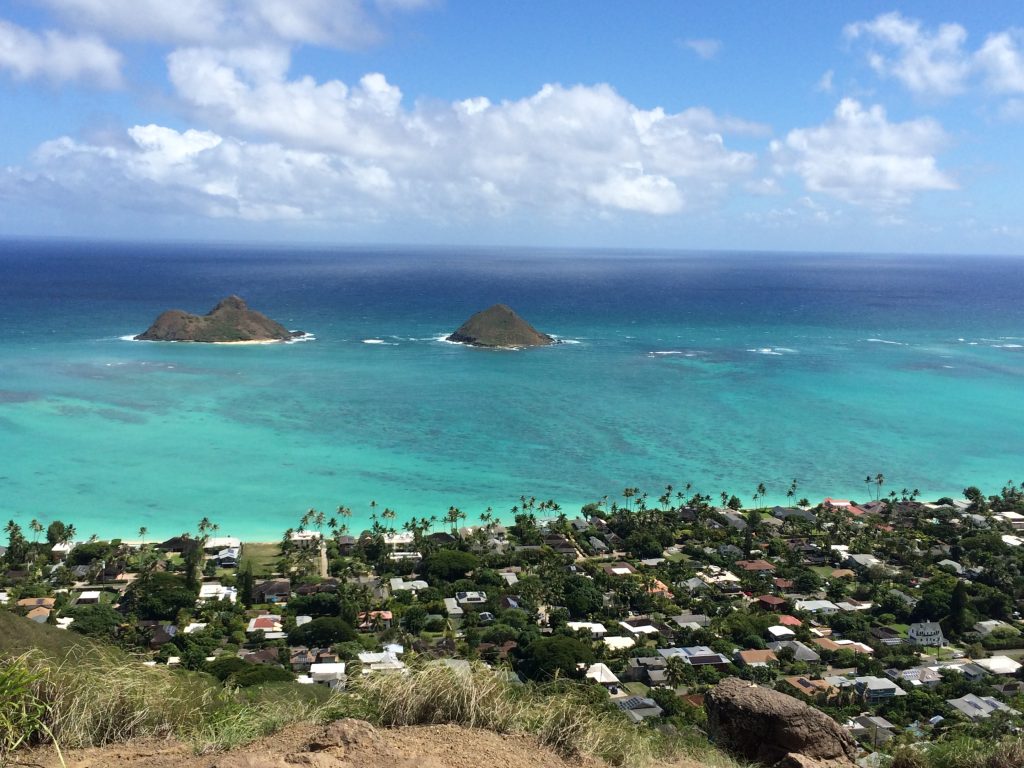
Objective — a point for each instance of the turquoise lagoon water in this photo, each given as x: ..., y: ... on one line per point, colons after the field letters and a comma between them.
x: 722, y: 370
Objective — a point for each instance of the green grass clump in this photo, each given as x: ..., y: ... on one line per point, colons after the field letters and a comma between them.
x: 22, y: 713
x: 561, y: 715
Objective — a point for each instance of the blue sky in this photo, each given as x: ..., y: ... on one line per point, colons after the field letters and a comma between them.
x: 795, y: 126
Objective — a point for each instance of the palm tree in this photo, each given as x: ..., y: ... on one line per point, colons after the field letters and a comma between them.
x: 143, y: 530
x: 879, y: 482
x: 759, y: 494
x: 678, y: 671
x: 452, y: 518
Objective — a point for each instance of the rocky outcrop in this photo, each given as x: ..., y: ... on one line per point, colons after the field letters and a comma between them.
x: 230, y: 321
x: 774, y: 729
x: 500, y: 327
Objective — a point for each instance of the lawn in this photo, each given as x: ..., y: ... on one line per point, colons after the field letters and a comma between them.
x: 637, y: 689
x: 261, y: 557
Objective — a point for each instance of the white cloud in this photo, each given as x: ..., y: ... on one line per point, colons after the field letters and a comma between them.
x: 926, y: 62
x: 825, y: 82
x: 936, y: 62
x: 705, y: 48
x: 300, y: 149
x: 58, y: 57
x: 1002, y: 62
x: 159, y: 20
x: 339, y: 23
x: 860, y: 157
x: 562, y: 147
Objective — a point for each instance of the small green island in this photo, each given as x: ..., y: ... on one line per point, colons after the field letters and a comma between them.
x: 500, y: 327
x: 230, y: 322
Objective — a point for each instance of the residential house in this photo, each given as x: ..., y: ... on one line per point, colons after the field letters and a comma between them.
x: 36, y: 602
x: 272, y: 591
x: 998, y: 665
x: 213, y: 591
x: 925, y: 677
x: 755, y: 566
x: 872, y: 730
x: 779, y: 633
x: 639, y: 668
x: 976, y: 708
x: 640, y: 627
x: 986, y: 628
x: 600, y: 673
x: 927, y: 634
x: 755, y: 658
x: 697, y: 656
x: 269, y: 624
x: 595, y: 630
x: 330, y: 674
x: 380, y: 662
x: 801, y: 652
x: 228, y: 557
x: 638, y: 708
x: 862, y: 562
x: 692, y: 620
x: 399, y: 584
x: 374, y: 621
x: 817, y: 690
x: 60, y: 551
x: 771, y: 602
x: 828, y: 644
x: 876, y: 689
x: 823, y: 607
x: 39, y: 614
x: 619, y: 569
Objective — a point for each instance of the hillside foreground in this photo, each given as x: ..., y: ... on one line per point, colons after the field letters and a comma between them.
x: 343, y: 744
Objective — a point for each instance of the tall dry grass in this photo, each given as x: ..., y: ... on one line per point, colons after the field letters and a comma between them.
x: 560, y: 715
x: 93, y: 698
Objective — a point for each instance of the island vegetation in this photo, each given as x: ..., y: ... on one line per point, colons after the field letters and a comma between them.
x: 231, y: 321
x: 499, y: 327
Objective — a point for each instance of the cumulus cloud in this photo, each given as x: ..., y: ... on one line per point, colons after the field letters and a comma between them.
x: 563, y: 147
x: 1002, y: 62
x: 937, y: 62
x: 706, y: 48
x: 926, y: 62
x: 58, y: 57
x: 861, y: 157
x: 337, y: 23
x: 284, y: 148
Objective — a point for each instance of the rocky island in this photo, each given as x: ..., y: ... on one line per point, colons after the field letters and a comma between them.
x: 499, y: 327
x: 231, y: 321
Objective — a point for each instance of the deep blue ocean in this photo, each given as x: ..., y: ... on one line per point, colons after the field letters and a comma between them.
x: 722, y: 370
